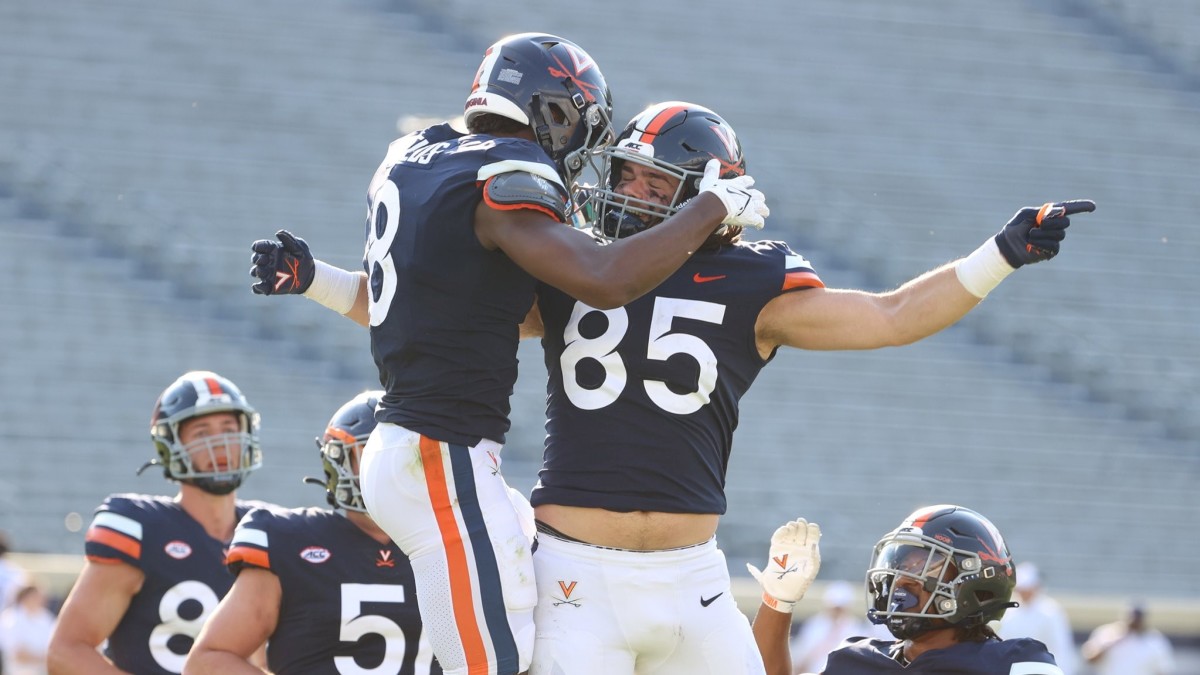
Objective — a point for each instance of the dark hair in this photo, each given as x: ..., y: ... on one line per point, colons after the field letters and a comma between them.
x: 728, y: 237
x: 491, y: 124
x: 973, y: 631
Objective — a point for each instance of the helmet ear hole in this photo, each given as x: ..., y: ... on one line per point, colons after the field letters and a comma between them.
x: 557, y: 114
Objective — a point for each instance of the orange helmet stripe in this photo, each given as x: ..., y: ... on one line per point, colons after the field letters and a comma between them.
x: 656, y: 124
x: 214, y: 387
x: 342, y: 435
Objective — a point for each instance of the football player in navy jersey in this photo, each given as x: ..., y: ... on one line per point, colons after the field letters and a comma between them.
x: 460, y: 228
x: 155, y: 565
x: 643, y: 400
x: 326, y: 590
x: 935, y: 582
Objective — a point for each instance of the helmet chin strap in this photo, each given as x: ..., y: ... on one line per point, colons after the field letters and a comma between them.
x: 621, y: 224
x: 902, y: 627
x: 213, y: 487
x: 909, y: 627
x: 147, y: 465
x: 328, y: 495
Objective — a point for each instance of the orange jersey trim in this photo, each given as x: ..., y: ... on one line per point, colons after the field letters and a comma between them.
x: 113, y: 539
x: 248, y: 555
x: 456, y: 558
x: 105, y: 561
x: 801, y: 280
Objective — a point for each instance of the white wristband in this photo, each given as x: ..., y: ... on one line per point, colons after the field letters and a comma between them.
x: 333, y: 287
x: 983, y: 270
x: 777, y: 604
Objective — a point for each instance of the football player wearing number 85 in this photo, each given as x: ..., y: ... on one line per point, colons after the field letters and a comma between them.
x: 326, y: 590
x: 155, y: 565
x: 459, y: 230
x: 643, y: 400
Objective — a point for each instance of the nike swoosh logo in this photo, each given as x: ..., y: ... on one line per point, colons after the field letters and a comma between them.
x: 702, y: 279
x: 706, y: 603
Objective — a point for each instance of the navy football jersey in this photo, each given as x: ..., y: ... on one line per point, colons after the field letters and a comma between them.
x: 643, y: 399
x: 349, y: 603
x: 185, y: 577
x: 444, y: 310
x: 1022, y: 656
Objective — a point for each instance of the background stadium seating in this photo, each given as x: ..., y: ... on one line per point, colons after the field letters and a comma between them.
x: 143, y: 147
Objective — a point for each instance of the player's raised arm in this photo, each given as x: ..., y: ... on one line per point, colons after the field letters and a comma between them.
x: 826, y: 319
x: 611, y: 276
x: 794, y: 560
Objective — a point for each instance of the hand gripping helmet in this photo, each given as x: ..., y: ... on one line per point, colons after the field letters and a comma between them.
x: 956, y: 556
x: 676, y: 138
x: 231, y: 456
x: 340, y: 446
x: 552, y: 86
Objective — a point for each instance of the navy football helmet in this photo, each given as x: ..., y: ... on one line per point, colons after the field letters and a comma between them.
x: 676, y: 138
x: 230, y: 457
x: 551, y: 85
x: 341, y: 445
x: 951, y: 553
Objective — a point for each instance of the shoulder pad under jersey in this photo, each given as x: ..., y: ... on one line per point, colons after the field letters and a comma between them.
x: 524, y: 190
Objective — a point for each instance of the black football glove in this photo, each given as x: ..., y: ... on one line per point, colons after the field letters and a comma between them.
x: 1034, y: 234
x: 286, y: 267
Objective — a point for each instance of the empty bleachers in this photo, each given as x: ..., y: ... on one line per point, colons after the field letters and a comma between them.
x: 147, y: 145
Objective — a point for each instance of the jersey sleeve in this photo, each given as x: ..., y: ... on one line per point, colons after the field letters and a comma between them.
x: 1030, y: 657
x: 116, y: 532
x: 251, y: 542
x: 798, y: 273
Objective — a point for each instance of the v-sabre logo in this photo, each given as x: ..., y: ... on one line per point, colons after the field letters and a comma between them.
x: 567, y: 589
x: 782, y: 562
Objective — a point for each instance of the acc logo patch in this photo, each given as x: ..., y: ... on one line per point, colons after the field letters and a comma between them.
x: 315, y: 554
x: 177, y: 549
x: 644, y: 149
